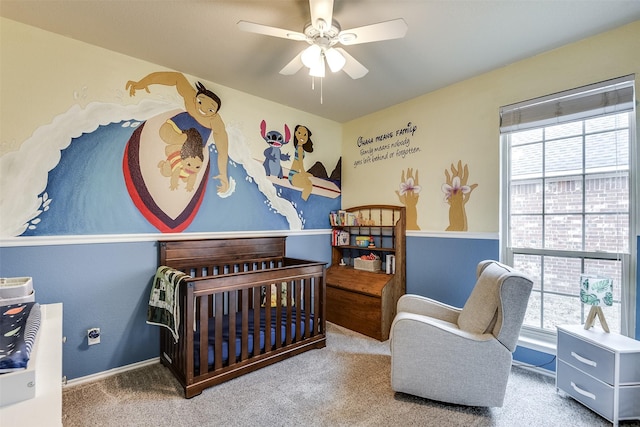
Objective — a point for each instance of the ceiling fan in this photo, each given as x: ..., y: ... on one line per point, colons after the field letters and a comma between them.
x: 322, y: 34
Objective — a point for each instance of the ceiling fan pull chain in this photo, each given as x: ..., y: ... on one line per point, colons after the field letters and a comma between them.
x: 321, y: 79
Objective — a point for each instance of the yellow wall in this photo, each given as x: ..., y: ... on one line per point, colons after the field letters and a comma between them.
x: 460, y: 122
x: 43, y: 75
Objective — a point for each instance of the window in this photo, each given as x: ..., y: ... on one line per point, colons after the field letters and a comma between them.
x: 568, y: 200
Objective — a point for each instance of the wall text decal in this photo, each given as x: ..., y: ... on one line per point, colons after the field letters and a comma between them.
x: 386, y: 145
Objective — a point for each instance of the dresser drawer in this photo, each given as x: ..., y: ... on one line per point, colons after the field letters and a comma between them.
x: 630, y: 369
x: 594, y: 360
x: 629, y: 402
x: 592, y: 393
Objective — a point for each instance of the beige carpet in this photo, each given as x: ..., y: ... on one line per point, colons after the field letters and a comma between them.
x: 345, y: 384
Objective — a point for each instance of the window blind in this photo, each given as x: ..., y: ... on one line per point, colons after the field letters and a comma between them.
x: 610, y: 96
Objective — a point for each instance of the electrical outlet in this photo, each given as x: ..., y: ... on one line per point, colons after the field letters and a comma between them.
x: 93, y: 336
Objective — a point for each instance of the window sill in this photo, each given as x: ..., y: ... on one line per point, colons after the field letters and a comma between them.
x: 542, y: 342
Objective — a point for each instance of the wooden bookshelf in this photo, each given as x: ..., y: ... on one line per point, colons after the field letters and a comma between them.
x: 365, y: 301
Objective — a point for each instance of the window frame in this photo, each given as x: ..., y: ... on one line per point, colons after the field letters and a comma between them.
x: 544, y: 339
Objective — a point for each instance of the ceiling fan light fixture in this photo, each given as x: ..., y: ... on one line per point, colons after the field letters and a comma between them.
x: 311, y: 56
x: 335, y: 60
x: 318, y: 69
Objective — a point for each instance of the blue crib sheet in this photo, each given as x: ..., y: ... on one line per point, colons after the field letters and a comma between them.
x: 225, y: 333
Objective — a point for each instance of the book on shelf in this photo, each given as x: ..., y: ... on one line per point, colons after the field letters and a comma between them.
x: 333, y: 218
x: 340, y: 238
x: 342, y: 218
x: 352, y: 219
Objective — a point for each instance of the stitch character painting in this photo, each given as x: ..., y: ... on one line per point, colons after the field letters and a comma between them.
x: 314, y: 180
x: 273, y: 154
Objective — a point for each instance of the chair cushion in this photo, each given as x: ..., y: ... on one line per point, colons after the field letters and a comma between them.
x: 481, y: 307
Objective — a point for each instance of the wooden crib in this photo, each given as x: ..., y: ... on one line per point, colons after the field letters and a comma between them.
x: 245, y: 288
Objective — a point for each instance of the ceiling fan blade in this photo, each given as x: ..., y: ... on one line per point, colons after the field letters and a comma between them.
x: 293, y: 66
x: 252, y: 27
x: 394, y: 29
x: 352, y: 67
x: 321, y: 9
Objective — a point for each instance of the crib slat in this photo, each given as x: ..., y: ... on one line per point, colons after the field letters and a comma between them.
x: 316, y: 303
x: 307, y: 306
x: 217, y: 352
x: 245, y: 326
x: 204, y: 332
x: 186, y: 349
x: 289, y: 309
x: 267, y: 317
x: 232, y: 328
x: 298, y: 305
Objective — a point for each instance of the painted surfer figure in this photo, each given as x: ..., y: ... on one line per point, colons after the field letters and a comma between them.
x: 297, y: 175
x: 183, y: 160
x: 202, y: 106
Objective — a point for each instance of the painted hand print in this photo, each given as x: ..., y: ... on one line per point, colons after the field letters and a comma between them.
x: 408, y: 196
x: 457, y: 194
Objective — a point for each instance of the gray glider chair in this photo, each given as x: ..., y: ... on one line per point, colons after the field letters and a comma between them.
x: 461, y: 356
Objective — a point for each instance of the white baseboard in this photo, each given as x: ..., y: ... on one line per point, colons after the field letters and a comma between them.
x: 110, y: 372
x: 533, y: 368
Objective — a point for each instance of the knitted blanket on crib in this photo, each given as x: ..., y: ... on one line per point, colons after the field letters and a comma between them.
x: 163, y: 309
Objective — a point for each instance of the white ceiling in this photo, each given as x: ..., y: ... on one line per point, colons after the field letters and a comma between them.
x: 447, y: 41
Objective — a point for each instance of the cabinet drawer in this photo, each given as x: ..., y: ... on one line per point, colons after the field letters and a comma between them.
x: 630, y: 368
x: 592, y: 359
x: 585, y: 389
x: 629, y: 398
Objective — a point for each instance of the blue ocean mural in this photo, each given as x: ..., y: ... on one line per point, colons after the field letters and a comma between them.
x: 69, y: 179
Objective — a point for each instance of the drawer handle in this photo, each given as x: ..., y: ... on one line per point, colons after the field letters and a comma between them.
x: 583, y: 392
x: 583, y: 359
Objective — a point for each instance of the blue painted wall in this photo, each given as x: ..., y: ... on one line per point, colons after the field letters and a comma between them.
x: 445, y: 268
x: 107, y: 285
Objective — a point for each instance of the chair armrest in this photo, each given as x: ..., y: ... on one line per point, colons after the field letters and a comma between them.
x: 428, y: 307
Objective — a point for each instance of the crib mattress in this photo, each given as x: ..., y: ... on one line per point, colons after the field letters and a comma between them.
x: 251, y: 326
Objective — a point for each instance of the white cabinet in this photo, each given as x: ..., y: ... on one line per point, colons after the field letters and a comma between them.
x: 45, y: 409
x: 600, y: 370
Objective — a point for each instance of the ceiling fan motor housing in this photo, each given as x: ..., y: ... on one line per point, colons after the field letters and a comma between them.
x: 323, y: 39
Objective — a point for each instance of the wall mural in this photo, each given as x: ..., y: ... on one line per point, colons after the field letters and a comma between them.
x: 171, y: 145
x: 457, y: 194
x: 408, y: 195
x: 117, y: 169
